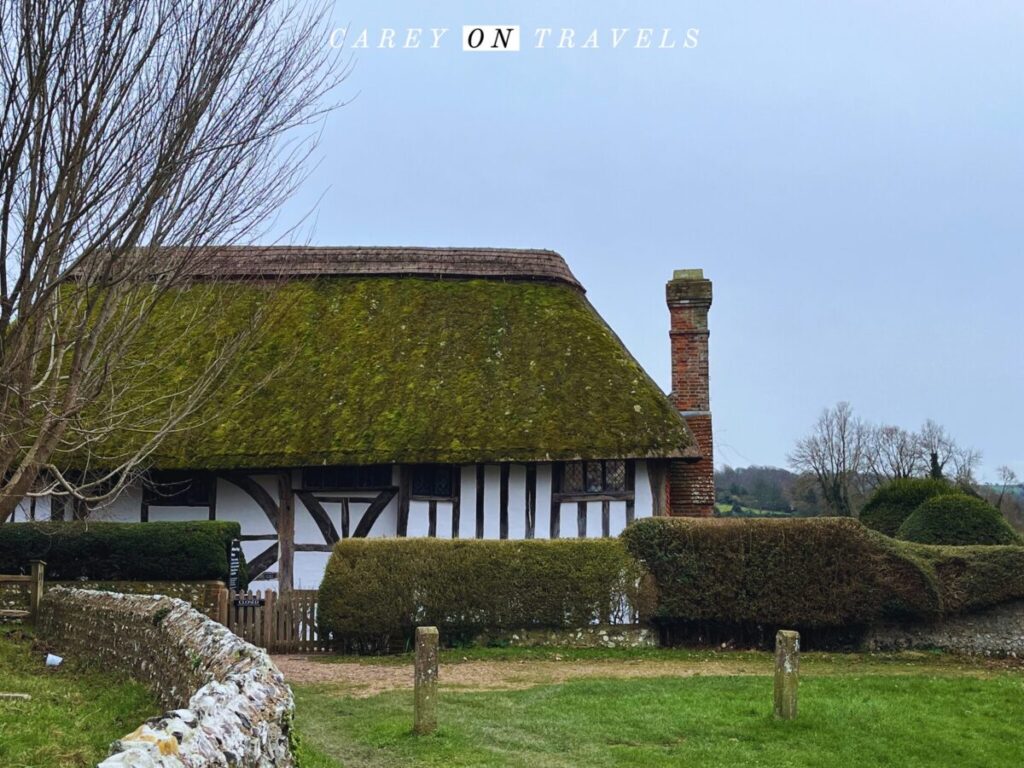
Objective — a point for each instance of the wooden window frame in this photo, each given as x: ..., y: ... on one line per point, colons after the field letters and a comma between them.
x: 318, y: 489
x: 627, y: 494
x: 153, y: 497
x: 455, y: 471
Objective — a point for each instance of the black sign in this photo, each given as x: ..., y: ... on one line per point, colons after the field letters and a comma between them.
x: 236, y: 559
x: 249, y: 602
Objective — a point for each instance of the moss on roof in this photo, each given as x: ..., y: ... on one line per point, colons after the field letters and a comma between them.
x: 384, y: 370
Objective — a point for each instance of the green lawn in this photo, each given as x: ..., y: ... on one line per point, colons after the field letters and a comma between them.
x: 924, y: 715
x: 73, y: 715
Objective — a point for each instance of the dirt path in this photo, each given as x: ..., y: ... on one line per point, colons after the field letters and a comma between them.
x: 361, y: 679
x: 371, y: 679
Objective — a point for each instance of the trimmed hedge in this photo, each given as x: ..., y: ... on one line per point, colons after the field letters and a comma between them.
x: 813, y: 573
x: 99, y: 551
x: 891, y: 504
x: 957, y: 520
x: 377, y: 591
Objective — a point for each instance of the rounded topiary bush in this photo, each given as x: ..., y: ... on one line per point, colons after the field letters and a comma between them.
x: 893, y: 503
x: 957, y: 519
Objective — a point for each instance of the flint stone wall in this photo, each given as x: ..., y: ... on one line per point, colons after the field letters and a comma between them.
x: 595, y: 636
x: 998, y: 631
x: 210, y: 597
x: 229, y: 704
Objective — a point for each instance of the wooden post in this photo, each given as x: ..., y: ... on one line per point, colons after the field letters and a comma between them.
x: 269, y: 603
x: 425, y: 707
x: 787, y: 673
x: 35, y: 589
x: 223, y: 599
x: 285, y: 532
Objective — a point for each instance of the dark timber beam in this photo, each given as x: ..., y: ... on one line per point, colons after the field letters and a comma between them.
x: 503, y: 501
x: 659, y: 484
x: 373, y: 512
x: 480, y: 501
x: 313, y: 547
x: 456, y: 501
x: 258, y: 494
x: 285, y: 532
x: 320, y: 517
x: 259, y: 564
x: 531, y: 500
x: 404, y: 490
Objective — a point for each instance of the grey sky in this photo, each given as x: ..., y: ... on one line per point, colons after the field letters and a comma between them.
x: 849, y: 174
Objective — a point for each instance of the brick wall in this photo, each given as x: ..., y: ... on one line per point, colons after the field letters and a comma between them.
x: 691, y: 482
x: 230, y: 704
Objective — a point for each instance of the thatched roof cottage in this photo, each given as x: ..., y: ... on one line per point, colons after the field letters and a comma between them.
x: 426, y: 392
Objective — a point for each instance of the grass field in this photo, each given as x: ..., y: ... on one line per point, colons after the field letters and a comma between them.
x: 73, y: 715
x: 896, y: 710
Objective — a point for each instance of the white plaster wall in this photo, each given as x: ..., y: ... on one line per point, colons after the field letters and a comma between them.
x: 445, y: 509
x: 467, y: 515
x: 308, y: 569
x: 594, y: 520
x: 492, y: 502
x: 24, y: 513
x: 419, y: 524
x: 542, y: 529
x: 516, y: 502
x: 643, y: 500
x: 235, y: 504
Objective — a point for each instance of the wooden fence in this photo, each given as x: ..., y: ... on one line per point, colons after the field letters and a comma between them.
x: 31, y: 589
x: 281, y: 623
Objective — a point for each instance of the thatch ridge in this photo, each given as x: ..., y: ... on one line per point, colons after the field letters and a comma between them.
x: 238, y: 261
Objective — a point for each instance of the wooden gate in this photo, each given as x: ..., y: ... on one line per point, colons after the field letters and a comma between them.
x: 281, y: 623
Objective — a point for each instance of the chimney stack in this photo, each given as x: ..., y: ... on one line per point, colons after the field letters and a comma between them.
x: 691, y: 482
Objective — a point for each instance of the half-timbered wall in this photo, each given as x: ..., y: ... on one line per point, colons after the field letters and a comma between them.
x: 492, y: 501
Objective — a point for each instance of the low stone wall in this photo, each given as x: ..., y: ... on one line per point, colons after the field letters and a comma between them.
x: 230, y: 704
x: 998, y: 631
x: 209, y: 597
x: 596, y: 636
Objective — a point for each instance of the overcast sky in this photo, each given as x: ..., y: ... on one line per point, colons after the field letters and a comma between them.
x: 849, y: 174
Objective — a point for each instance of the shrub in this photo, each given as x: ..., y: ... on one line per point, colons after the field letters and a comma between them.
x: 957, y: 519
x: 806, y: 572
x: 972, y: 578
x: 813, y: 573
x: 891, y: 504
x: 187, y: 551
x: 377, y: 591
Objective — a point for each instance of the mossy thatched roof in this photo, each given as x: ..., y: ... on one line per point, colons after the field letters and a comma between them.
x: 386, y: 369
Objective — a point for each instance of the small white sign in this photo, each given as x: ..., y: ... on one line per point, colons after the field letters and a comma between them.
x: 490, y: 37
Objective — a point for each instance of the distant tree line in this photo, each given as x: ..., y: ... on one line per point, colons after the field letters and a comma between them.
x: 844, y: 458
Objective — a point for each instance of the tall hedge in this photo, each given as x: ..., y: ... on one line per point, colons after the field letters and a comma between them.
x: 813, y: 573
x: 891, y: 504
x: 99, y: 551
x: 957, y: 519
x: 376, y: 591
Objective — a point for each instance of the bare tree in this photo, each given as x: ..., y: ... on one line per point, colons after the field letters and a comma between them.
x: 892, y: 452
x: 1007, y: 477
x: 134, y: 133
x: 945, y: 456
x: 834, y: 453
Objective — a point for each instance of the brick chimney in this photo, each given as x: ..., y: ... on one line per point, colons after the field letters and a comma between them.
x: 691, y: 482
